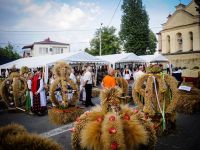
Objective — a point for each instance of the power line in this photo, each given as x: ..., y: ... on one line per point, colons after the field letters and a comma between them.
x: 114, y: 13
x: 72, y: 30
x: 4, y: 43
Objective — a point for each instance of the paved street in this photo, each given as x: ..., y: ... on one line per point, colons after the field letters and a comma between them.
x: 185, y: 138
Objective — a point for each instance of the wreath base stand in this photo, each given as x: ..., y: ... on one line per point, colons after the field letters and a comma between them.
x: 62, y: 116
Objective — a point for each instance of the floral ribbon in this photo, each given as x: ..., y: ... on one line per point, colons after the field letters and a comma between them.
x: 162, y: 111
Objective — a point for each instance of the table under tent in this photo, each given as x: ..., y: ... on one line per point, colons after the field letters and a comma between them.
x: 47, y: 61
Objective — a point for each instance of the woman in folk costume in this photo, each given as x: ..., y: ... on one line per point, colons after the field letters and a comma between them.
x: 127, y: 73
x: 39, y: 97
x: 29, y: 94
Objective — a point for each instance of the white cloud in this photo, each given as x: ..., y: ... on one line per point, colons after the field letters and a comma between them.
x: 91, y: 6
x: 24, y: 2
x: 53, y: 16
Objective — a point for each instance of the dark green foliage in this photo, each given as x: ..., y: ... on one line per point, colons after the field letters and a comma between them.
x: 9, y: 52
x: 152, y: 43
x: 110, y: 42
x: 134, y: 31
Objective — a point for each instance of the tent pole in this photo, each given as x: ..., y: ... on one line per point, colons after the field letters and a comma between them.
x: 96, y: 75
x: 46, y: 75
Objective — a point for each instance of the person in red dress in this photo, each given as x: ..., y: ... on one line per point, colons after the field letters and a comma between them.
x: 39, y: 97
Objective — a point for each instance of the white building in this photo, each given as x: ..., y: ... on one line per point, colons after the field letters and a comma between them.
x: 46, y: 47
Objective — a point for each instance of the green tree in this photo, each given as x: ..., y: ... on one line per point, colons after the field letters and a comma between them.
x: 110, y: 43
x: 134, y: 32
x: 9, y: 52
x: 152, y: 42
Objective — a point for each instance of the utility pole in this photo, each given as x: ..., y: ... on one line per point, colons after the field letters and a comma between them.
x: 100, y: 40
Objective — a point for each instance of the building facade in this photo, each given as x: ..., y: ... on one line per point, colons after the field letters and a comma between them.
x: 180, y: 35
x: 46, y: 47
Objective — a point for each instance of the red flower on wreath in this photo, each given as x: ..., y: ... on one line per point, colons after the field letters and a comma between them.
x: 99, y: 119
x: 112, y: 118
x: 135, y: 111
x: 126, y: 117
x: 112, y: 130
x: 114, y: 146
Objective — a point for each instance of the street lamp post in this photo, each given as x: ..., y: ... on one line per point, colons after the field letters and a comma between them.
x: 100, y: 41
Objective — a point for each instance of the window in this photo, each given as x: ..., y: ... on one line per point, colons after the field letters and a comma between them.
x: 168, y: 44
x: 191, y: 41
x: 43, y: 50
x: 179, y: 44
x: 57, y: 50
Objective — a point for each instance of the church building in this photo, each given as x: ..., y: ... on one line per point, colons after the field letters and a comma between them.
x: 179, y: 39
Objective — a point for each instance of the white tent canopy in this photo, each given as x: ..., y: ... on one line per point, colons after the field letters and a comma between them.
x: 121, y: 58
x: 154, y: 58
x: 47, y: 60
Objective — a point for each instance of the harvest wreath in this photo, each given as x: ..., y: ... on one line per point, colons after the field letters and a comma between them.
x: 156, y: 94
x: 66, y: 111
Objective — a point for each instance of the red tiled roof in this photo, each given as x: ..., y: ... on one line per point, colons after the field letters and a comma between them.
x: 46, y: 41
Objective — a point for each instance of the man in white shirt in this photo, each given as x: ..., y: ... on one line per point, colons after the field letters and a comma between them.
x: 72, y: 76
x: 88, y: 86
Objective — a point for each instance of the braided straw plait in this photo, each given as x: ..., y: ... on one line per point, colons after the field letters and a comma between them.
x: 146, y: 122
x: 3, y: 93
x: 63, y: 83
x: 24, y: 86
x: 161, y: 91
x: 138, y: 90
x: 75, y: 97
x: 17, y: 92
x: 79, y: 125
x: 53, y: 89
x: 149, y: 126
x: 109, y: 138
x: 175, y: 96
x: 149, y: 95
x: 110, y: 97
x: 123, y: 84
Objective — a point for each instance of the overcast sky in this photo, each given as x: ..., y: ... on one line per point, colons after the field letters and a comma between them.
x: 69, y: 21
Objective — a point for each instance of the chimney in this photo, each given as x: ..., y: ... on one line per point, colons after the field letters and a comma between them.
x: 47, y: 40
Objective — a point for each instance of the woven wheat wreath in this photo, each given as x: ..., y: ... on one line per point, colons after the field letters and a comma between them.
x: 62, y: 72
x: 16, y: 86
x: 156, y: 92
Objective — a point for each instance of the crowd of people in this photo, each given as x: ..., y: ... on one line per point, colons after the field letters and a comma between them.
x: 38, y: 91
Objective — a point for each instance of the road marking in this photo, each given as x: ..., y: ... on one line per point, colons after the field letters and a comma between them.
x: 57, y: 131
